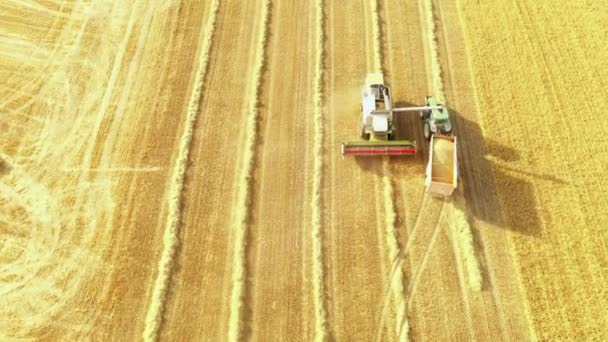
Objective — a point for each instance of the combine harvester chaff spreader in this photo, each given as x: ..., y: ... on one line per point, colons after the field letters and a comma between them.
x: 378, y: 134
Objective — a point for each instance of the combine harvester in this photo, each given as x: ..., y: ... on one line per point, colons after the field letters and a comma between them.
x: 377, y: 128
x: 378, y: 132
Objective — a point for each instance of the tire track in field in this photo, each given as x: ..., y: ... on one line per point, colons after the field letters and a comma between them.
x: 38, y: 48
x: 318, y: 277
x: 109, y: 130
x: 91, y: 207
x: 155, y: 311
x: 425, y: 257
x: 88, y: 202
x: 464, y: 293
x: 457, y: 210
x: 405, y: 55
x: 241, y: 216
x: 390, y: 233
x: 60, y: 55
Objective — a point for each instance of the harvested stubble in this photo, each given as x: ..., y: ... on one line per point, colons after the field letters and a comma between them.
x: 170, y: 237
x: 240, y: 222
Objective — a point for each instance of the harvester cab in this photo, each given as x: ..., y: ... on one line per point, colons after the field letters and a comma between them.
x: 376, y: 109
x: 436, y: 120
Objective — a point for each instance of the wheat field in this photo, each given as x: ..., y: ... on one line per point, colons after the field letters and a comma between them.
x: 171, y: 170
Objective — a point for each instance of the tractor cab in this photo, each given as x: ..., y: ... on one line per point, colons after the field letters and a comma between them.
x: 436, y: 121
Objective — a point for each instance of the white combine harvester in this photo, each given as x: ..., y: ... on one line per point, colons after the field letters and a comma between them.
x: 378, y: 133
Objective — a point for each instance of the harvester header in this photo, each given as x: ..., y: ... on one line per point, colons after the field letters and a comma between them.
x: 379, y: 147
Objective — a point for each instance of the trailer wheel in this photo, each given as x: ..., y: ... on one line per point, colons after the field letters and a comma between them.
x: 427, y: 131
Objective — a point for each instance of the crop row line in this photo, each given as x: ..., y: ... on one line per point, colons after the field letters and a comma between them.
x: 317, y: 238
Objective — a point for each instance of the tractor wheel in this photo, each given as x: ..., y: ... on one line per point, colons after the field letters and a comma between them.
x: 427, y: 131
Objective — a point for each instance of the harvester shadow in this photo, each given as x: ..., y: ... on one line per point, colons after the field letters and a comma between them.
x: 494, y: 195
x: 481, y: 185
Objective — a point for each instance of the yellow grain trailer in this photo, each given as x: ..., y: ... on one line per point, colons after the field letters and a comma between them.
x: 442, y: 168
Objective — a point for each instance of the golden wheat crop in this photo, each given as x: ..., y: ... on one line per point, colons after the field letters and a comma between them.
x: 539, y: 70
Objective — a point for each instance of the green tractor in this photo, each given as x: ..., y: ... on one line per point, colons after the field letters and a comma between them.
x: 436, y: 120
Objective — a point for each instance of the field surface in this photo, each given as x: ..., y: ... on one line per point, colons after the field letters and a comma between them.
x: 171, y: 170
